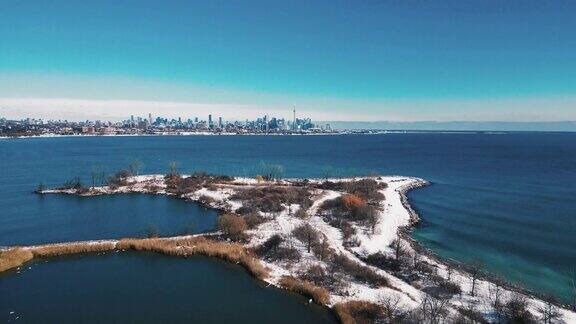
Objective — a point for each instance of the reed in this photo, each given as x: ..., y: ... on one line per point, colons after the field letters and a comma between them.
x: 357, y: 312
x: 232, y: 252
x: 52, y: 250
x: 319, y: 294
x: 13, y: 258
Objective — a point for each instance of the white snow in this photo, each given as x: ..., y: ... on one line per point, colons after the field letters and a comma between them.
x: 393, y: 215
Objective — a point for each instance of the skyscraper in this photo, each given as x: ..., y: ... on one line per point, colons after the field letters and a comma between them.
x: 209, y: 120
x: 294, y: 120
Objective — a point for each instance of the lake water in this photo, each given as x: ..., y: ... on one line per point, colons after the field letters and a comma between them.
x: 131, y: 287
x: 505, y: 201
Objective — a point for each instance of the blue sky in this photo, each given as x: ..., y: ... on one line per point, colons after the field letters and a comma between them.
x: 384, y: 60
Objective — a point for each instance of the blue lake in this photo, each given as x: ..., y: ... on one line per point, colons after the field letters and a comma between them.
x: 505, y: 201
x: 132, y: 287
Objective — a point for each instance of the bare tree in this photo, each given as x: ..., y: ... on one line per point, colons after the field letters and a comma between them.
x: 495, y: 295
x: 398, y: 248
x: 327, y: 172
x: 323, y: 250
x: 272, y: 171
x: 572, y: 280
x: 434, y: 310
x: 173, y: 168
x: 549, y: 312
x: 475, y: 272
x: 391, y: 308
x: 96, y: 175
x: 372, y: 219
x: 415, y: 259
x: 306, y: 234
x: 134, y: 166
x: 449, y: 270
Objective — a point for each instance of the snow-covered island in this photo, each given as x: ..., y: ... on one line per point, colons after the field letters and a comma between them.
x: 341, y: 242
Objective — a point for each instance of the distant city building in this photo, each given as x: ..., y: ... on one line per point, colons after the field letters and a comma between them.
x: 159, y: 125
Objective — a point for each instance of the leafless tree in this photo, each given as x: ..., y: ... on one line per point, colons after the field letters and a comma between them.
x: 398, y: 248
x: 449, y: 270
x: 323, y: 248
x: 97, y: 175
x: 272, y: 171
x: 372, y: 219
x: 306, y: 234
x: 475, y: 272
x: 495, y: 295
x: 391, y: 308
x: 549, y: 312
x: 415, y: 260
x: 173, y: 168
x: 434, y: 310
x: 572, y: 280
x: 134, y: 166
x: 327, y: 172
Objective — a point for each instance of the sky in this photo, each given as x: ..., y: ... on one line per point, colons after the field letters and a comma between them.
x: 402, y: 60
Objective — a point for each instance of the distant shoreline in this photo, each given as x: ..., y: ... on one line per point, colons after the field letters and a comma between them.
x: 336, y: 133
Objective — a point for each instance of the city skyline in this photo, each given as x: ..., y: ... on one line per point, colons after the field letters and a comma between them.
x: 395, y: 61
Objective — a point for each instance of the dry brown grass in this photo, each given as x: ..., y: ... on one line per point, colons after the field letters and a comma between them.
x: 52, y: 250
x: 13, y: 258
x: 357, y: 312
x: 318, y: 294
x: 232, y: 252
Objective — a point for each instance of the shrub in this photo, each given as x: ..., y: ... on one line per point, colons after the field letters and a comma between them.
x: 13, y: 258
x: 246, y: 210
x: 349, y: 207
x: 269, y: 199
x: 206, y: 200
x: 516, y: 310
x: 232, y: 225
x: 471, y: 315
x: 358, y: 271
x: 270, y: 245
x: 384, y: 262
x: 287, y: 253
x: 450, y: 288
x: 73, y: 183
x: 179, y: 185
x: 351, y: 201
x: 315, y: 274
x: 367, y: 189
x: 273, y: 250
x: 318, y: 294
x: 301, y: 213
x: 119, y: 179
x: 253, y: 220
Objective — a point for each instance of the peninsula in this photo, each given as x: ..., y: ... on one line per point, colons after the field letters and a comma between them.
x: 341, y: 242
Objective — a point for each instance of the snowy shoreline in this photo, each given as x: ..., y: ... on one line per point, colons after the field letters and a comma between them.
x: 395, y: 221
